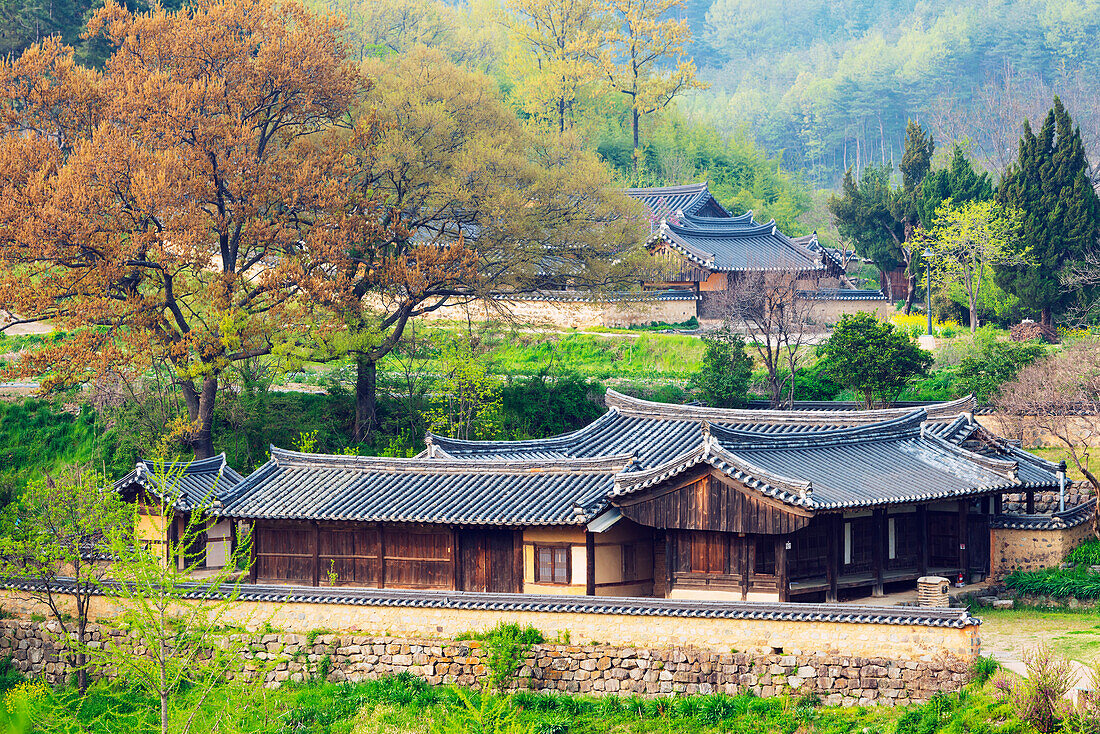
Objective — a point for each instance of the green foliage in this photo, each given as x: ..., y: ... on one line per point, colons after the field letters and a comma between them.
x: 873, y: 359
x: 983, y: 669
x: 506, y: 646
x: 478, y: 713
x: 1086, y: 554
x: 958, y: 182
x: 540, y: 406
x: 815, y: 383
x: 993, y: 362
x: 864, y: 216
x: 723, y: 379
x: 1074, y: 583
x: 1049, y: 184
x: 466, y: 404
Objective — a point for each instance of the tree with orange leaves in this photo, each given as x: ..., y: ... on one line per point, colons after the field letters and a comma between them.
x: 167, y: 207
x: 478, y: 204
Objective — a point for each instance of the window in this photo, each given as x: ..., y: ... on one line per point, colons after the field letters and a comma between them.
x: 552, y: 564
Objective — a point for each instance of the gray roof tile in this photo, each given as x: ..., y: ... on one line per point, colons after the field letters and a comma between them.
x: 198, y: 483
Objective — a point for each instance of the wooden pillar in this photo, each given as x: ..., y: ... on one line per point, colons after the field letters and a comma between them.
x: 782, y: 576
x: 517, y: 559
x: 1030, y: 502
x: 747, y: 557
x: 316, y: 553
x: 832, y: 560
x: 589, y: 563
x: 253, y: 548
x: 878, y: 559
x: 232, y: 541
x: 922, y: 528
x: 381, y: 557
x: 456, y: 570
x: 964, y: 551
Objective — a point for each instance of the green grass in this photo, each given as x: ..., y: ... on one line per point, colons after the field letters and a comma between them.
x: 403, y: 704
x: 1073, y: 634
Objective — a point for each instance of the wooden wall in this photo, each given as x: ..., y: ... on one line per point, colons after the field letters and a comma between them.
x: 385, y: 556
x: 704, y: 501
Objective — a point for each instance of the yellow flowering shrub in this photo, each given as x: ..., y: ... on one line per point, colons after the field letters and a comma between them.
x: 916, y: 324
x: 25, y: 695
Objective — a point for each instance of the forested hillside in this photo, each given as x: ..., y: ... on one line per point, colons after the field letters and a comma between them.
x: 831, y: 84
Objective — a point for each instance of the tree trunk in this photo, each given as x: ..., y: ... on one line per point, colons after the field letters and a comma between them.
x: 884, y: 279
x: 911, y: 293
x: 203, y: 440
x: 973, y: 318
x: 637, y: 144
x: 366, y: 397
x: 1047, y: 318
x: 163, y: 712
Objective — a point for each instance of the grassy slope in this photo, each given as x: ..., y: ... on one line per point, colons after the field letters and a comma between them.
x: 407, y: 706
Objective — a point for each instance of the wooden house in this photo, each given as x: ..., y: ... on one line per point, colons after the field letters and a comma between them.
x: 164, y: 511
x: 708, y: 250
x: 652, y: 499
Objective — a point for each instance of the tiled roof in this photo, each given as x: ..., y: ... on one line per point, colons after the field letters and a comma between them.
x: 728, y: 245
x: 202, y: 482
x: 813, y: 459
x: 842, y: 294
x: 635, y: 606
x: 669, y: 200
x: 882, y: 463
x: 295, y: 485
x: 671, y: 294
x: 1069, y: 518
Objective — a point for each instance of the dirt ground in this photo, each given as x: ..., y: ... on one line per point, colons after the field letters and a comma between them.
x: 1008, y: 633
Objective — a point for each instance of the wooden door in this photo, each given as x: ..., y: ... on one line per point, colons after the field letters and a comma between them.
x: 488, y: 561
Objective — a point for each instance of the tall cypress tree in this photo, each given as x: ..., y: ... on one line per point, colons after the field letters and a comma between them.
x: 958, y: 182
x: 1049, y: 184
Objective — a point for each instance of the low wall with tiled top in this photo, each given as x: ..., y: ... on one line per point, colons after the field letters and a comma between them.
x: 839, y: 678
x: 1024, y: 546
x: 902, y: 633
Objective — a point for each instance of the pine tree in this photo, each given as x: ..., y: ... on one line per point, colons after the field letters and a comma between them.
x: 1061, y: 212
x: 958, y: 182
x: 915, y: 164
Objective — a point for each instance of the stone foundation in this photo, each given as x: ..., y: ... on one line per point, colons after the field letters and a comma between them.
x: 839, y: 679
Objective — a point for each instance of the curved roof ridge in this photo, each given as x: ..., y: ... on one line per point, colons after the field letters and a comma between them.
x: 677, y: 189
x: 192, y: 466
x: 561, y: 440
x: 448, y: 465
x: 1004, y: 467
x: 951, y: 408
x: 721, y: 230
x: 792, y: 489
x: 733, y: 219
x: 637, y: 407
x: 902, y: 426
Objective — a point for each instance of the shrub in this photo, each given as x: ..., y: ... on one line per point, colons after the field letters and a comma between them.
x: 506, y: 645
x: 1086, y: 554
x: 723, y: 380
x: 1039, y: 697
x: 983, y: 669
x: 1078, y: 583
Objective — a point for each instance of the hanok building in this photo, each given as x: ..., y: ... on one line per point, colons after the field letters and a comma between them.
x: 708, y: 250
x: 167, y: 495
x: 652, y: 499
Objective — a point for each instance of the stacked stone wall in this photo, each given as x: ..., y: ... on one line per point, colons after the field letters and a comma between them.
x: 838, y: 678
x: 1032, y: 549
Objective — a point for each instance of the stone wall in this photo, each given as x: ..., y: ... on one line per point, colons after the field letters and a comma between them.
x: 1029, y: 549
x: 572, y: 314
x: 750, y: 633
x: 839, y: 678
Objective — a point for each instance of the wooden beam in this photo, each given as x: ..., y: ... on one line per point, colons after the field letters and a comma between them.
x: 316, y: 553
x: 879, y: 550
x: 922, y: 539
x: 781, y: 567
x: 964, y: 550
x: 832, y: 556
x: 589, y: 563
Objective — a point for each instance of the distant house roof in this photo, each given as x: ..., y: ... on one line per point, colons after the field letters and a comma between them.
x: 691, y: 199
x: 731, y: 245
x: 808, y: 459
x: 193, y: 484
